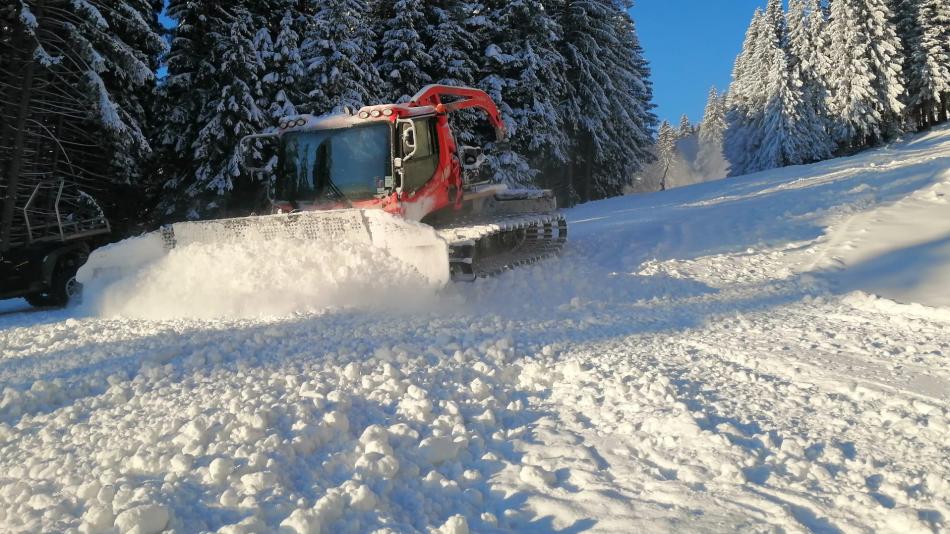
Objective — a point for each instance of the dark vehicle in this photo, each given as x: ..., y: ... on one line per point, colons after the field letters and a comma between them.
x: 44, y: 241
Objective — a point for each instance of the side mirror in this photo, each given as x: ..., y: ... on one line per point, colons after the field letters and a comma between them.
x: 408, y: 138
x: 472, y: 157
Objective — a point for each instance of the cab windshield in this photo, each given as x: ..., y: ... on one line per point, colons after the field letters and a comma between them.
x: 342, y: 165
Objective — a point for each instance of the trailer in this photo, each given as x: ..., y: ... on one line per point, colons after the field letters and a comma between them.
x: 47, y: 231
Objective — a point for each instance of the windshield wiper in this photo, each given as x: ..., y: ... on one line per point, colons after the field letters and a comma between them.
x: 327, y: 158
x: 337, y: 192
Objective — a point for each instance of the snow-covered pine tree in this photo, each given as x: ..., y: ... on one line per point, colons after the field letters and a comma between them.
x: 743, y: 111
x: 189, y: 84
x: 817, y: 67
x: 283, y: 68
x: 404, y: 61
x: 586, y: 106
x: 282, y: 73
x: 804, y: 93
x: 522, y: 71
x: 339, y: 46
x: 866, y: 79
x: 904, y: 16
x: 231, y: 113
x: 790, y: 130
x: 641, y: 123
x: 608, y: 100
x: 775, y: 20
x: 449, y: 33
x: 447, y: 41
x: 131, y: 49
x: 212, y: 97
x: 712, y: 130
x: 780, y: 144
x: 820, y: 57
x: 713, y: 127
x: 686, y: 127
x: 924, y: 28
x: 666, y: 151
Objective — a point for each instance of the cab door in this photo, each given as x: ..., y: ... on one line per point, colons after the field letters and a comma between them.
x: 421, y: 166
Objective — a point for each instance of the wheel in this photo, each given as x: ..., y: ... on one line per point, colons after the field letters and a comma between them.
x: 38, y: 300
x: 63, y: 286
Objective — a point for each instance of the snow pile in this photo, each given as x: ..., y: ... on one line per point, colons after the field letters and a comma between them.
x: 254, y: 277
x: 406, y: 436
x: 899, y: 250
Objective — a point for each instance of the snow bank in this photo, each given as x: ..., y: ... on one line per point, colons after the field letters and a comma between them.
x: 900, y: 250
x: 260, y: 273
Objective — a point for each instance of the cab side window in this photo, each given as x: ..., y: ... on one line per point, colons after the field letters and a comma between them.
x: 422, y: 166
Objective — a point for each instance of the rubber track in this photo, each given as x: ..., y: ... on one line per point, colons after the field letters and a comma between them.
x: 541, y: 235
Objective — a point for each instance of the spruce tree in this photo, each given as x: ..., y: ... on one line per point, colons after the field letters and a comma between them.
x: 521, y: 71
x: 712, y: 129
x: 927, y: 56
x: 283, y: 68
x: 804, y: 89
x: 608, y: 100
x: 187, y: 87
x: 135, y: 44
x: 405, y: 63
x: 784, y: 138
x: 229, y: 115
x: 820, y: 49
x: 666, y: 151
x: 338, y: 50
x: 686, y: 127
x: 904, y: 16
x: 775, y: 20
x: 742, y: 114
x: 450, y: 34
x: 638, y: 88
x: 866, y: 79
x: 210, y: 109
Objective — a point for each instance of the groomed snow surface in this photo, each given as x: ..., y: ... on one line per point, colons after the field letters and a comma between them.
x: 764, y: 354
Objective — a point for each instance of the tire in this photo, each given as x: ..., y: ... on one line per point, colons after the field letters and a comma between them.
x: 63, y: 286
x: 38, y: 300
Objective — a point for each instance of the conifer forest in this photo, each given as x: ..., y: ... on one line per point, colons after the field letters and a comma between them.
x: 149, y: 118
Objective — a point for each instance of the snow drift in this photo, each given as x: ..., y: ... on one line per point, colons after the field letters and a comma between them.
x: 266, y: 269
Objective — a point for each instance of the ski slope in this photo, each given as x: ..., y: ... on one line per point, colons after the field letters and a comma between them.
x: 767, y: 354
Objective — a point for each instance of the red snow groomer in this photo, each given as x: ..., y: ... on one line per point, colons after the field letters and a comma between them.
x: 337, y: 177
x: 404, y: 159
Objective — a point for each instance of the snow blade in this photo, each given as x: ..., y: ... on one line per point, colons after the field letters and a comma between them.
x: 414, y: 244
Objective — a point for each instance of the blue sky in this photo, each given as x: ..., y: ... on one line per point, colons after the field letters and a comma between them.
x: 691, y: 44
